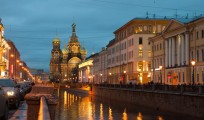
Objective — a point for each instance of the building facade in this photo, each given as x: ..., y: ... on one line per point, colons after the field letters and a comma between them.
x: 129, y: 54
x: 4, y: 53
x: 14, y: 61
x: 181, y: 57
x: 11, y: 65
x: 86, y: 73
x: 63, y: 63
x: 100, y: 67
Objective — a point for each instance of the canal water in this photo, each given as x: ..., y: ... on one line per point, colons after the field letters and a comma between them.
x: 80, y: 106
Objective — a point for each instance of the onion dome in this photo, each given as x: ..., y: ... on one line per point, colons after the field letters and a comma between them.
x: 83, y: 50
x: 65, y: 50
x: 56, y: 39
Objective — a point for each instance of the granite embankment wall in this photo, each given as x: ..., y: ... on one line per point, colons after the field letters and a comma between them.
x: 173, y: 102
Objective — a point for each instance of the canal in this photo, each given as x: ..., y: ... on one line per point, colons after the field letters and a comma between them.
x: 80, y: 106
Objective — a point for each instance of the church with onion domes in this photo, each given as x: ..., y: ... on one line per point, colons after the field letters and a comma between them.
x: 64, y: 63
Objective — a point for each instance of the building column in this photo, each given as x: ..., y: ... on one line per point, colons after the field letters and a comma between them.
x: 182, y: 49
x: 173, y: 51
x: 178, y: 50
x: 170, y: 51
x: 187, y: 48
x: 166, y: 53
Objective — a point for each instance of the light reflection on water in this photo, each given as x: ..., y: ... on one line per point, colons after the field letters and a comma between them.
x: 78, y: 106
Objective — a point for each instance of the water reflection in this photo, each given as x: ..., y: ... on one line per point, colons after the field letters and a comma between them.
x: 78, y: 106
x: 125, y: 115
x: 101, y: 111
x: 110, y: 117
x: 139, y: 117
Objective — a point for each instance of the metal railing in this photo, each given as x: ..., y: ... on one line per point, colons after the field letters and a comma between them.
x: 190, y: 89
x: 43, y: 111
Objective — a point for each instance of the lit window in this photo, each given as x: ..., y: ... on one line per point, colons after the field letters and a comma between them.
x: 140, y: 53
x: 149, y: 53
x: 149, y: 66
x: 140, y: 65
x: 140, y: 28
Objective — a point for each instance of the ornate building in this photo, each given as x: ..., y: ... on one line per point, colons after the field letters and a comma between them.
x: 64, y: 63
x: 4, y: 53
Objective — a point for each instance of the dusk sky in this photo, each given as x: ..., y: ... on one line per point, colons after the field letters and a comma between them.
x: 32, y: 24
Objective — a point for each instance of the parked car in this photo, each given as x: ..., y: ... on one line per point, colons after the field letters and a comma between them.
x: 4, y: 105
x: 23, y: 90
x: 28, y: 85
x: 12, y: 90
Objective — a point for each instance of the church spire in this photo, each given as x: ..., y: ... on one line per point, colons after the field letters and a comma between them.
x: 73, y: 38
x: 73, y: 29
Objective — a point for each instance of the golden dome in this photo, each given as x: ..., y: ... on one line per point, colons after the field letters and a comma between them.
x: 64, y: 51
x: 56, y: 39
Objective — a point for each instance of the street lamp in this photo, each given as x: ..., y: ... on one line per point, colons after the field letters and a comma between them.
x: 65, y: 77
x: 110, y: 77
x: 101, y: 77
x: 160, y: 68
x: 193, y: 64
x: 12, y: 66
x: 124, y: 76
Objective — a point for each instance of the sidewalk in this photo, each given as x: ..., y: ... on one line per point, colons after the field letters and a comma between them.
x: 21, y: 113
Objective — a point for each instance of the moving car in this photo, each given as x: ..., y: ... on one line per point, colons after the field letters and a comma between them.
x: 4, y: 105
x: 12, y: 91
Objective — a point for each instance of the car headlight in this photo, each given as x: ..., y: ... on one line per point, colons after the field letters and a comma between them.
x: 10, y: 93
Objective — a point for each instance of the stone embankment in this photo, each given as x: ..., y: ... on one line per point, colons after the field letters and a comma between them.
x: 189, y: 104
x: 33, y: 101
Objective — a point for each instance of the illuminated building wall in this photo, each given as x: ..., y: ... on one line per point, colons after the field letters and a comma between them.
x: 14, y: 61
x: 129, y: 54
x: 86, y: 70
x: 4, y: 53
x: 182, y: 42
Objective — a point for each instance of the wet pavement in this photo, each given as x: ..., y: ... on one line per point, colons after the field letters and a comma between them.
x: 20, y: 113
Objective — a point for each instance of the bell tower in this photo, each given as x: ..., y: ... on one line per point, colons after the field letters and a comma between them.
x: 56, y: 56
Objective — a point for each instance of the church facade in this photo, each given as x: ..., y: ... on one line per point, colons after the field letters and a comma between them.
x: 64, y: 63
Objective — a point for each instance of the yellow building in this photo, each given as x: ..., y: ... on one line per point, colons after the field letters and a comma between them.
x: 129, y: 54
x: 63, y: 63
x: 181, y: 44
x: 86, y: 74
x: 4, y: 53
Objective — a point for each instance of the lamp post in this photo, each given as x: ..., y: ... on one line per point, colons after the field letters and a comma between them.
x: 110, y: 78
x: 160, y: 68
x: 193, y: 64
x: 101, y: 77
x: 12, y: 66
x: 124, y: 76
